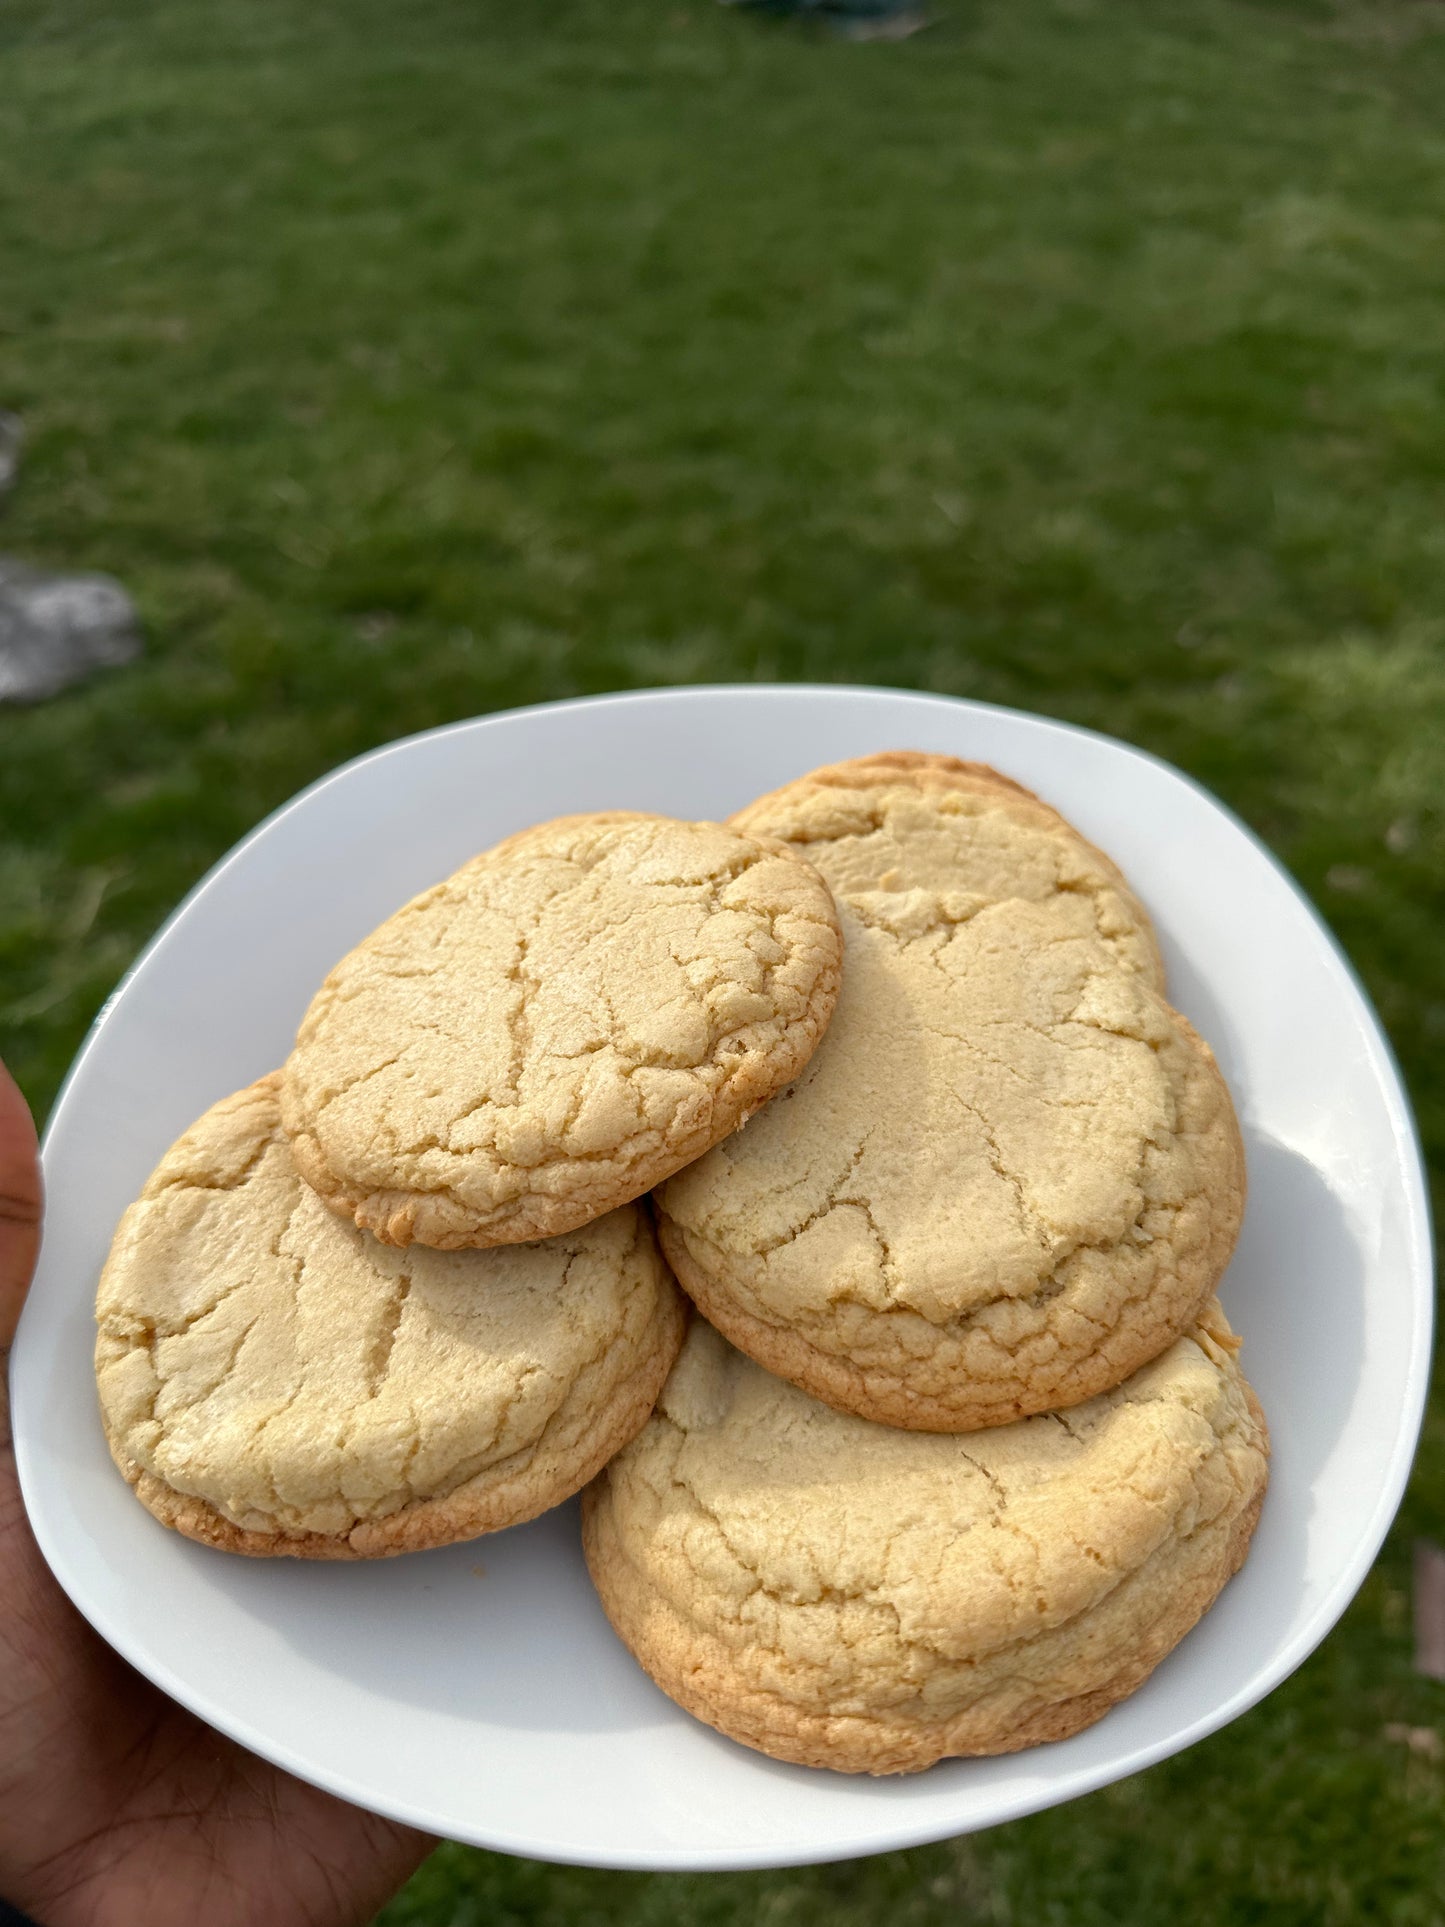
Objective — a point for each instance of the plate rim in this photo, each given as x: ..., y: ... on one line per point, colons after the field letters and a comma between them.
x: 879, y: 1837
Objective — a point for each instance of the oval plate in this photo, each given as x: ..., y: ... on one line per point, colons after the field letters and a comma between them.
x: 478, y: 1691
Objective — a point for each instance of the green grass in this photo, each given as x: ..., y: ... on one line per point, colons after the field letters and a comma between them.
x: 413, y: 361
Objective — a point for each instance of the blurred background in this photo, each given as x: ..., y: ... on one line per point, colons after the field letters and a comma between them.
x: 407, y: 362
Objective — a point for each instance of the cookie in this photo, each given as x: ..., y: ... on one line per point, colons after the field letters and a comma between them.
x: 1012, y: 1173
x: 848, y: 1595
x: 273, y: 1380
x: 553, y: 1030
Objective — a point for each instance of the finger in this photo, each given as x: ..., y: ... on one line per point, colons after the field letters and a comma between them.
x: 19, y: 1204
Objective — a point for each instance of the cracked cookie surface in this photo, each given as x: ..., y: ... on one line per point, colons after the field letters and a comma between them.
x: 849, y: 1595
x: 273, y: 1380
x: 1011, y: 1174
x: 558, y: 1026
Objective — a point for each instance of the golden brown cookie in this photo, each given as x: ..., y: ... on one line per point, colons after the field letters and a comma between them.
x: 553, y: 1030
x: 1012, y: 1173
x: 844, y: 1594
x: 273, y: 1380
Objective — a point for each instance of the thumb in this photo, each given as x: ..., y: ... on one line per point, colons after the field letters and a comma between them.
x: 19, y: 1204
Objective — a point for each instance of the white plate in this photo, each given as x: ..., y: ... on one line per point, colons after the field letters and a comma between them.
x: 478, y: 1691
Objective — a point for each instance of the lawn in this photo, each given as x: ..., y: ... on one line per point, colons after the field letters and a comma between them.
x: 409, y: 362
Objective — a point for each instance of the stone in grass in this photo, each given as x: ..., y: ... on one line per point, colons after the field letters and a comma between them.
x: 55, y: 629
x: 855, y: 19
x: 11, y: 436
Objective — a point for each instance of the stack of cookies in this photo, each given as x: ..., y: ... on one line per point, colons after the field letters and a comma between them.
x: 402, y: 1292
x: 958, y: 1449
x: 963, y: 1449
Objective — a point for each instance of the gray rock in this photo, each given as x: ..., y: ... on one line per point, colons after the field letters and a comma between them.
x: 12, y: 433
x: 893, y: 23
x: 859, y: 19
x: 55, y: 629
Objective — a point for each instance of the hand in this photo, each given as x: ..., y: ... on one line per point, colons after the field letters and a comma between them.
x: 117, y: 1807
